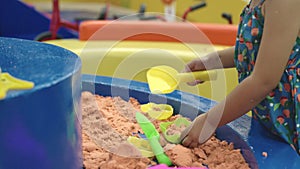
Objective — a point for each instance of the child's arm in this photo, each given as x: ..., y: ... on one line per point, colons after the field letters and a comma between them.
x: 214, y: 60
x: 281, y: 28
x: 226, y: 57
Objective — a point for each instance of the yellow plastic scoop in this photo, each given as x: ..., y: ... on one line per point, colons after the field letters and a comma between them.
x: 141, y: 144
x: 165, y: 79
x: 157, y: 111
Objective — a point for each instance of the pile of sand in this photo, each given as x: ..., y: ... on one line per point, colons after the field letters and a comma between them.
x: 214, y: 154
x: 108, y: 122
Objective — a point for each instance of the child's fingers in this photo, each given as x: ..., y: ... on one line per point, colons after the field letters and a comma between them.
x: 187, y: 68
x: 193, y: 145
x: 194, y: 83
x: 185, y: 132
x: 190, y: 67
x: 186, y: 141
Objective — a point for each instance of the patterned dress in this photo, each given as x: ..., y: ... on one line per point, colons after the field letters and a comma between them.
x: 280, y: 110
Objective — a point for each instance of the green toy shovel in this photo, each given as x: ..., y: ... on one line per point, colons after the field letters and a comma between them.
x: 153, y: 138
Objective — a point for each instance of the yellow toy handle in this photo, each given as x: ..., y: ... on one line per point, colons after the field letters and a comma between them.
x: 206, y: 75
x: 8, y: 82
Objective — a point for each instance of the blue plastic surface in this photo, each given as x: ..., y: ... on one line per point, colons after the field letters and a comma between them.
x: 39, y: 128
x: 246, y: 133
x: 19, y: 20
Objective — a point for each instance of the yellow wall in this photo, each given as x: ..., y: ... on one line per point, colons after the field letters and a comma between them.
x: 209, y: 14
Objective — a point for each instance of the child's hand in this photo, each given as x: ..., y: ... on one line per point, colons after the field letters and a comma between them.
x: 194, y: 65
x: 191, y: 134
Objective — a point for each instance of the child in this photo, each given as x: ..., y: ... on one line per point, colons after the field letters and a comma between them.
x: 267, y: 58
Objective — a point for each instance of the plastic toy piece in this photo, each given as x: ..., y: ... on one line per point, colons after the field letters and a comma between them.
x: 162, y: 166
x: 174, y: 138
x: 158, y: 111
x: 153, y: 139
x: 8, y: 82
x: 164, y: 79
x: 168, y: 1
x: 141, y: 135
x: 142, y: 145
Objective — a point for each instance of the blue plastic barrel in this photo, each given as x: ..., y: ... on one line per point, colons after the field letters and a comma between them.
x: 40, y: 127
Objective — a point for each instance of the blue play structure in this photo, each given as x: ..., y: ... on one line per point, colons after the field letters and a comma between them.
x: 20, y: 20
x: 39, y: 128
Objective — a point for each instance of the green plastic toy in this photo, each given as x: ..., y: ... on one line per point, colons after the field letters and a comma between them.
x: 174, y: 138
x: 153, y: 138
